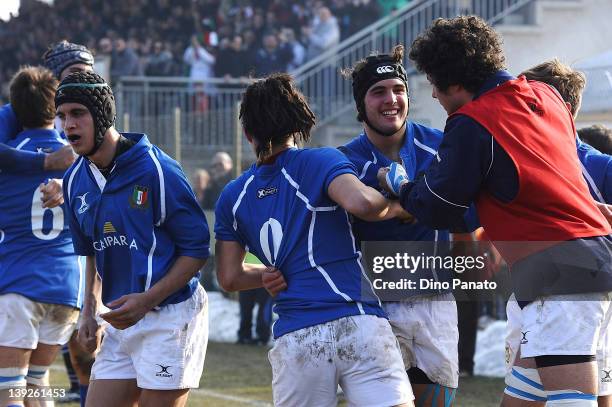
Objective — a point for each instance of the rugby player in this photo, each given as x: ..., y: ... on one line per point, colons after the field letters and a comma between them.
x: 39, y: 274
x: 595, y: 168
x: 61, y: 58
x: 509, y: 146
x: 290, y: 209
x: 133, y: 215
x: 425, y: 324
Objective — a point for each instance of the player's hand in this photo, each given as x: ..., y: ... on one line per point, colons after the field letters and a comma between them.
x: 127, y: 310
x: 606, y: 211
x: 401, y: 213
x: 89, y: 334
x: 273, y: 281
x: 392, y: 178
x: 59, y: 160
x: 52, y: 194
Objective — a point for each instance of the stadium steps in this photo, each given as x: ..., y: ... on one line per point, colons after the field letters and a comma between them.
x: 532, y: 30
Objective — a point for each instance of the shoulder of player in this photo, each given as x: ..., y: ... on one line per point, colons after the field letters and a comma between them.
x: 234, y: 187
x: 321, y: 154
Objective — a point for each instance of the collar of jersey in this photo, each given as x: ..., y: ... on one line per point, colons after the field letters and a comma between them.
x: 35, y: 133
x: 274, y: 167
x: 406, y: 153
x: 142, y: 146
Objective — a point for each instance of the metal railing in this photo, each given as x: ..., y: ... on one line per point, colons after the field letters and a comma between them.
x: 320, y: 79
x: 198, y: 118
x: 186, y: 118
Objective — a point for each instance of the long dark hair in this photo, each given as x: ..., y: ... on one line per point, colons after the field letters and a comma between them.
x: 273, y: 110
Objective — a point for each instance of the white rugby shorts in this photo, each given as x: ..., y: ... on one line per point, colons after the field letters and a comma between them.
x: 163, y: 351
x: 427, y: 332
x: 575, y: 324
x: 25, y: 323
x: 359, y: 353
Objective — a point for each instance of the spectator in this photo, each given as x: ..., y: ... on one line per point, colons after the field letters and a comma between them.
x: 201, y: 181
x: 200, y: 60
x: 220, y: 174
x: 230, y: 62
x: 124, y: 61
x: 287, y: 36
x: 324, y: 34
x: 160, y: 62
x: 272, y: 57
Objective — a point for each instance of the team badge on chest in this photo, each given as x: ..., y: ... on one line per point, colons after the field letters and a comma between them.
x: 140, y: 197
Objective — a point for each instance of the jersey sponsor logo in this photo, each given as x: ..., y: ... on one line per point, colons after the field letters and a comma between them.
x: 46, y: 150
x: 84, y: 205
x: 140, y: 197
x: 384, y: 69
x: 113, y: 240
x: 524, y: 338
x: 264, y: 192
x: 109, y: 228
x: 163, y: 372
x: 605, y: 376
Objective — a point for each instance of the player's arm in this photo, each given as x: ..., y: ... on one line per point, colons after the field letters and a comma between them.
x: 131, y: 308
x: 13, y: 160
x: 234, y: 274
x: 363, y: 201
x: 89, y: 331
x: 452, y: 182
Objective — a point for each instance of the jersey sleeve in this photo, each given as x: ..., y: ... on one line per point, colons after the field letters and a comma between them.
x: 332, y: 163
x: 185, y: 221
x: 9, y: 126
x: 224, y: 218
x: 83, y: 245
x: 449, y: 186
x: 17, y: 161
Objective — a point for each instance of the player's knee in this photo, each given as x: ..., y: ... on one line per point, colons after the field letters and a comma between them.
x: 525, y: 384
x: 11, y: 377
x: 570, y: 398
x: 37, y: 375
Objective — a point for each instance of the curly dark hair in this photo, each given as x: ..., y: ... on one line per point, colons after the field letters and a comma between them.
x: 568, y: 82
x: 462, y: 51
x: 597, y: 136
x: 273, y: 110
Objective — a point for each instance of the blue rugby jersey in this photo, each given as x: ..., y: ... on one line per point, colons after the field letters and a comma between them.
x: 10, y: 159
x: 37, y: 259
x: 417, y: 153
x: 281, y: 213
x: 597, y: 170
x: 136, y: 222
x: 9, y: 126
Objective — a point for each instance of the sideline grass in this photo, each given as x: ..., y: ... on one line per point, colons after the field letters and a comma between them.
x: 240, y: 375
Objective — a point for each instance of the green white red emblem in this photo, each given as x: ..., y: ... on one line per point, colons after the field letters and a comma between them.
x: 140, y: 197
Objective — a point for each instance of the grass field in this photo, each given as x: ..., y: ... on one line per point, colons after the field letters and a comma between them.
x: 240, y: 375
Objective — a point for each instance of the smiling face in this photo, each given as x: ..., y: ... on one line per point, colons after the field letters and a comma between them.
x: 78, y: 126
x: 386, y: 106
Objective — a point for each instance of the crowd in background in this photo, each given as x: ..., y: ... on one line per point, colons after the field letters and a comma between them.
x: 195, y: 38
